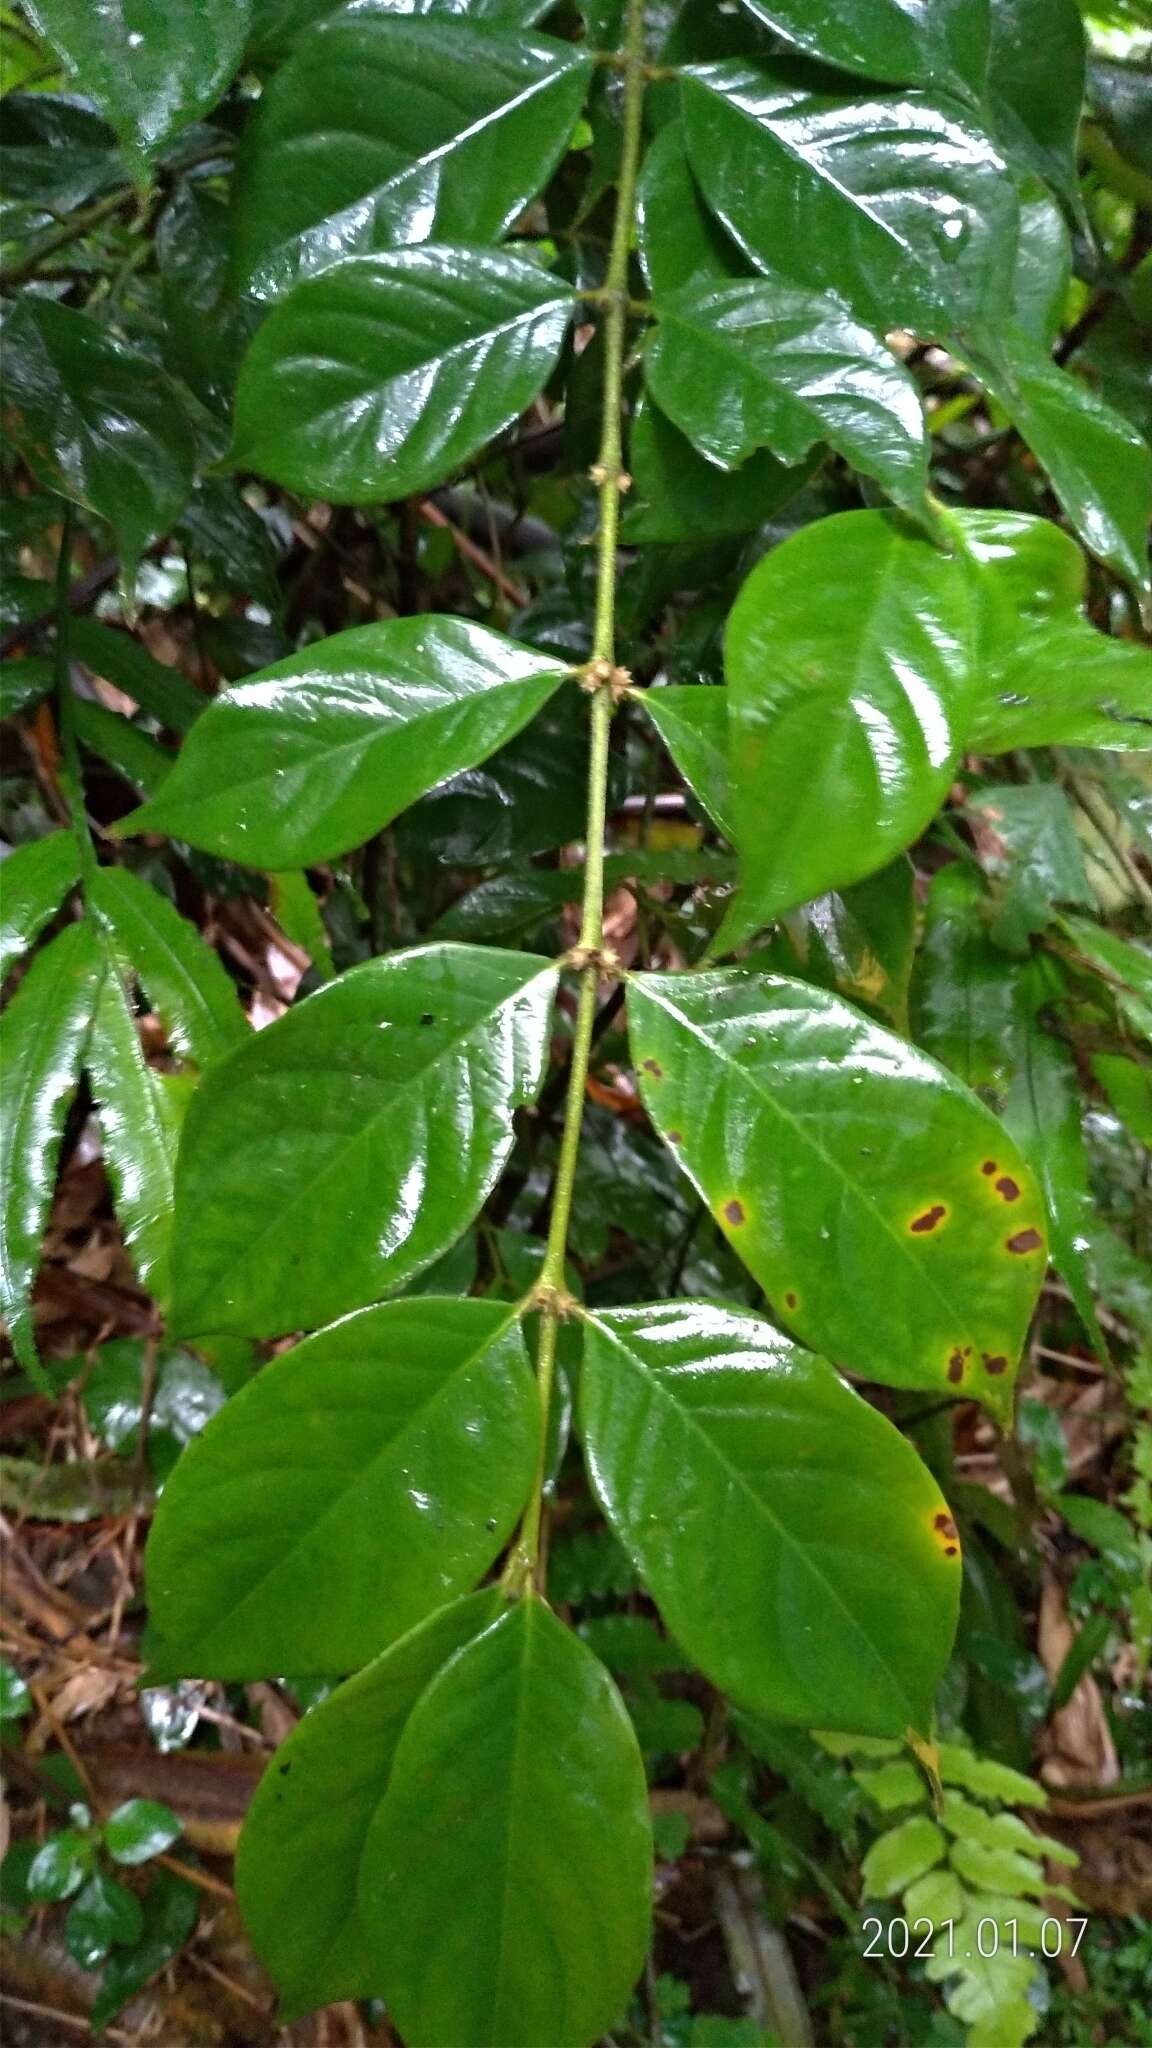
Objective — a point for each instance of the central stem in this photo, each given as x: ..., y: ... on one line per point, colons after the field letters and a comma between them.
x: 611, y: 479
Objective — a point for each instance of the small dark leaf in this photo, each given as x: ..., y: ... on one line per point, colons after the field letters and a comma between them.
x: 103, y: 1915
x: 139, y: 1830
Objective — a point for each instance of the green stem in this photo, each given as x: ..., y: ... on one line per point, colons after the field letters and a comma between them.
x: 609, y: 473
x: 71, y: 774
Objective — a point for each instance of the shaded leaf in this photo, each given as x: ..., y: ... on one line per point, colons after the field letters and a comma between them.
x: 351, y: 1142
x: 382, y: 130
x: 805, y: 1601
x: 680, y: 240
x: 906, y: 44
x: 517, y: 1799
x: 164, y: 693
x: 1026, y: 835
x: 963, y: 996
x: 314, y: 755
x: 97, y: 421
x: 387, y: 1459
x: 43, y: 1033
x: 314, y: 1806
x: 692, y: 721
x: 740, y: 367
x: 139, y: 1126
x: 182, y: 976
x: 682, y: 497
x: 382, y: 375
x: 850, y: 1174
x: 60, y: 1866
x: 55, y: 151
x: 104, y: 1915
x: 36, y: 878
x: 1036, y: 79
x: 170, y: 1910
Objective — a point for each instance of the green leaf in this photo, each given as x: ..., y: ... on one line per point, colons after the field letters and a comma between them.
x: 171, y: 1906
x: 997, y: 1870
x: 1043, y: 1113
x: 938, y: 1896
x: 149, y: 68
x: 164, y: 693
x: 182, y: 976
x: 36, y: 879
x: 15, y: 1698
x: 963, y: 997
x: 133, y: 753
x: 140, y: 1128
x: 56, y: 152
x: 1124, y: 965
x: 386, y: 1460
x: 103, y: 1915
x: 1047, y: 677
x: 681, y: 497
x: 899, y: 205
x: 1026, y: 836
x: 139, y: 1830
x: 904, y: 1854
x: 808, y: 1602
x: 60, y: 1867
x: 43, y: 1033
x: 692, y: 721
x: 680, y: 240
x: 860, y: 944
x: 382, y: 130
x: 1099, y: 464
x: 882, y: 1208
x: 384, y: 374
x: 314, y: 755
x: 986, y: 1778
x: 1036, y: 80
x: 349, y: 1144
x: 999, y: 1830
x: 739, y: 367
x: 1043, y: 264
x: 97, y: 421
x: 513, y: 1844
x: 23, y: 682
x: 893, y: 1785
x: 277, y: 23
x: 845, y: 718
x: 301, y: 918
x: 313, y: 1808
x: 889, y: 39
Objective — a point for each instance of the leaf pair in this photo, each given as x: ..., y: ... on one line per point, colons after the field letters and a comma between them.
x: 72, y: 1011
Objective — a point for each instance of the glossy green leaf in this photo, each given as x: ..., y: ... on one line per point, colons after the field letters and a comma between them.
x: 34, y: 881
x: 43, y: 1033
x: 808, y: 1601
x: 277, y: 23
x: 387, y: 1459
x: 96, y: 420
x: 1036, y: 79
x: 149, y: 68
x: 883, y: 1209
x: 23, y: 682
x: 135, y: 755
x: 140, y: 1829
x: 681, y: 497
x: 55, y: 151
x: 1100, y: 466
x: 60, y: 1866
x: 692, y: 721
x: 350, y: 1143
x: 846, y: 718
x: 1043, y: 270
x: 314, y: 1806
x: 1047, y: 677
x: 382, y: 375
x: 103, y: 1915
x: 1124, y: 965
x: 1026, y: 835
x: 962, y: 989
x: 1043, y: 1113
x: 906, y: 42
x: 140, y: 1128
x: 314, y: 755
x: 898, y: 204
x: 1128, y: 1086
x: 512, y: 1848
x: 182, y: 976
x: 383, y: 130
x: 15, y: 1698
x: 170, y: 1909
x: 740, y: 367
x: 680, y: 240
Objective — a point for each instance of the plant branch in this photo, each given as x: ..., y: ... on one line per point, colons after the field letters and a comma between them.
x: 69, y: 231
x: 610, y: 477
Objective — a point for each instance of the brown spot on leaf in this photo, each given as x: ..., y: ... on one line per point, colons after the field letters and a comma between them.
x: 654, y: 1068
x: 1025, y: 1241
x: 956, y: 1367
x: 994, y: 1362
x: 929, y: 1219
x: 951, y: 1550
x: 1009, y: 1188
x: 989, y: 1166
x: 733, y: 1212
x: 791, y: 1301
x: 675, y: 1137
x: 946, y: 1527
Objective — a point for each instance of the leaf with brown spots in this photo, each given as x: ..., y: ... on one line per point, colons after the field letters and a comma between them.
x: 859, y: 1169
